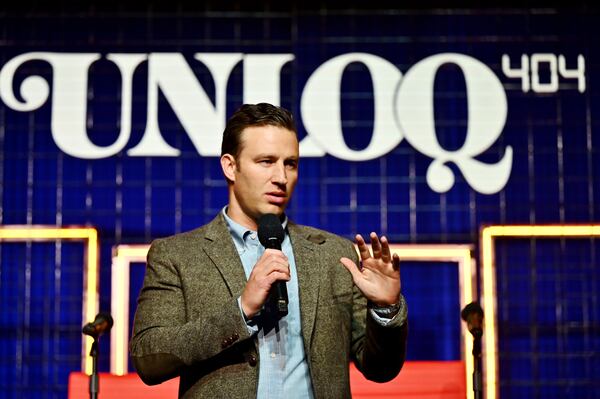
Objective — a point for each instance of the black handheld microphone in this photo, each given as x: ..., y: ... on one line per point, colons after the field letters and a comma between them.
x: 473, y: 315
x: 270, y: 235
x: 101, y: 324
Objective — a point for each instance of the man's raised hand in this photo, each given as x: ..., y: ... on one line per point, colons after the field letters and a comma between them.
x: 379, y: 277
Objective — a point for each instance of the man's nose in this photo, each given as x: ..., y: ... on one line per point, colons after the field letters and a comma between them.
x: 279, y: 174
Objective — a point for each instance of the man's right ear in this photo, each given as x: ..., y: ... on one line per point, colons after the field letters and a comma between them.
x: 228, y: 166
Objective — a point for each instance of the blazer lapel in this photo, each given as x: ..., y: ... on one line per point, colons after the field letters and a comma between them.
x: 220, y: 248
x: 307, y: 266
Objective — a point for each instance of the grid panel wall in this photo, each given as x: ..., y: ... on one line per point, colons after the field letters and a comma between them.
x: 554, y: 173
x: 548, y: 317
x: 42, y: 285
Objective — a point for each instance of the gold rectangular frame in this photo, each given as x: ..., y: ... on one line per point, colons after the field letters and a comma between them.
x: 488, y: 282
x: 462, y: 255
x: 27, y: 233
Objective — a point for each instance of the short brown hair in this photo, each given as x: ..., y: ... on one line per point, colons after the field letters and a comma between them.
x: 253, y: 115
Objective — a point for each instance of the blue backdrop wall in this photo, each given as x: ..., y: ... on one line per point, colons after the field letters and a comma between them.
x: 548, y: 302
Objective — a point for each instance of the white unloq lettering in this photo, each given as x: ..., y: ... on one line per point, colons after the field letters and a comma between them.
x: 487, y: 109
x: 69, y: 103
x: 404, y: 106
x: 69, y: 98
x: 202, y: 121
x: 321, y: 114
x: 262, y: 77
x: 34, y: 89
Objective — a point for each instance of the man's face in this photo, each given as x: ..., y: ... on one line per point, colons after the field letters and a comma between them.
x: 263, y: 175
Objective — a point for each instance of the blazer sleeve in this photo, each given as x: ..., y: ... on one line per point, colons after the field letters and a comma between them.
x: 378, y: 351
x: 164, y: 342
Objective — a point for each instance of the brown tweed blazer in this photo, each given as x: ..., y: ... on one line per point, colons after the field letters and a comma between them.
x: 188, y: 322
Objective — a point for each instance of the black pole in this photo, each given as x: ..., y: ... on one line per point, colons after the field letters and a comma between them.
x: 101, y: 324
x: 94, y: 383
x: 473, y: 315
x: 477, y: 380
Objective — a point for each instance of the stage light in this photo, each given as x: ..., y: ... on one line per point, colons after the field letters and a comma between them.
x: 488, y: 290
x: 461, y: 254
x: 25, y: 233
x: 123, y: 256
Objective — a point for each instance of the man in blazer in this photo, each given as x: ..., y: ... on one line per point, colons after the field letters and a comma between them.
x: 202, y: 310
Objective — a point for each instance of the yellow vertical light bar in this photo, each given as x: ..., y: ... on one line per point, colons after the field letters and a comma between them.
x: 120, y: 312
x: 488, y: 294
x: 90, y: 305
x: 467, y: 270
x: 461, y: 254
x: 120, y: 288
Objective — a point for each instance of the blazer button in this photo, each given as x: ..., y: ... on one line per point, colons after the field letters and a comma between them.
x: 225, y: 343
x: 252, y: 361
x: 235, y: 337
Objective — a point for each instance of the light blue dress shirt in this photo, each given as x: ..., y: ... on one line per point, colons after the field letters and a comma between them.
x: 283, y: 370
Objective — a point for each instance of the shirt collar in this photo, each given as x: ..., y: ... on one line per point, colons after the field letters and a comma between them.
x: 239, y: 232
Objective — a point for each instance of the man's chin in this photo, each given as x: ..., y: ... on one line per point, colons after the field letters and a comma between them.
x: 276, y: 209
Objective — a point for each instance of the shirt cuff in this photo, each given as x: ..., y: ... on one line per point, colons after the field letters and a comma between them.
x: 381, y: 315
x: 250, y: 324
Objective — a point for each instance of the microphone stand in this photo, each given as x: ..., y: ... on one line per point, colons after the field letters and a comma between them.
x: 94, y: 381
x: 477, y: 379
x: 473, y: 315
x: 101, y: 324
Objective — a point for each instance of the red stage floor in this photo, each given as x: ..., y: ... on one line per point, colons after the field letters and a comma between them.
x: 417, y: 380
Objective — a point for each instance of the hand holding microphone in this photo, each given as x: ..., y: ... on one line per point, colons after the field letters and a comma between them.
x: 271, y: 235
x: 267, y: 281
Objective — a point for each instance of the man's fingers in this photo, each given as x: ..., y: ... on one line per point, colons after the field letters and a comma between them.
x: 277, y: 276
x: 268, y: 271
x: 386, y: 255
x: 274, y: 253
x: 396, y: 262
x: 269, y: 261
x: 352, y: 268
x: 274, y: 265
x: 278, y: 268
x: 363, y: 249
x: 376, y: 245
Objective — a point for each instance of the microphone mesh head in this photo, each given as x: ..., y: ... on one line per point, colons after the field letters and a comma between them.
x: 105, y: 317
x: 472, y: 308
x: 269, y: 228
